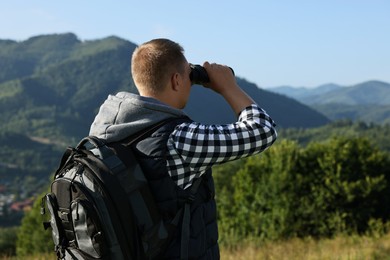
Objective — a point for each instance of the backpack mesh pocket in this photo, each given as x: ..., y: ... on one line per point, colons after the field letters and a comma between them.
x: 88, y: 235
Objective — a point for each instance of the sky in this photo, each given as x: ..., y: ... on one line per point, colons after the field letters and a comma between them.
x: 270, y: 43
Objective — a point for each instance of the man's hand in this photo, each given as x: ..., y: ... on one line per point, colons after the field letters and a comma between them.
x: 224, y: 82
x: 221, y: 77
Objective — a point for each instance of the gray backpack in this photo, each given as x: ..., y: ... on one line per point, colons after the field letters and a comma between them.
x: 102, y: 208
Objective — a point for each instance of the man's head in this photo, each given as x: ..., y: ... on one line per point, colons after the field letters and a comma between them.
x: 160, y: 67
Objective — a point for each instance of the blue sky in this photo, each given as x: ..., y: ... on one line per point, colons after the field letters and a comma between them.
x: 271, y: 43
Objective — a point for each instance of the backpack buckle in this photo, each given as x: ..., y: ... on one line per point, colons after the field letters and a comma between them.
x: 190, y: 198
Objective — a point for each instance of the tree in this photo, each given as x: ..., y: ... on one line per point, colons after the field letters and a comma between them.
x: 348, y: 185
x: 341, y: 185
x: 32, y: 238
x: 8, y: 241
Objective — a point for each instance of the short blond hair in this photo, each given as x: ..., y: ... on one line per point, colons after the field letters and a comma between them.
x: 153, y: 63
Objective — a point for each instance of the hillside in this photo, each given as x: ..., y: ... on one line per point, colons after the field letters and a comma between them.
x: 57, y: 92
x: 304, y: 93
x: 368, y: 101
x: 366, y: 93
x: 285, y: 111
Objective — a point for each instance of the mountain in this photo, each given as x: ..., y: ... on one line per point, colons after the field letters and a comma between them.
x: 300, y: 93
x: 378, y: 114
x: 368, y: 101
x: 285, y: 111
x: 51, y: 87
x: 59, y: 88
x: 366, y: 93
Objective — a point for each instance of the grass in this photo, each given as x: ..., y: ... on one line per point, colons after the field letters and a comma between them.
x: 37, y: 257
x: 339, y: 248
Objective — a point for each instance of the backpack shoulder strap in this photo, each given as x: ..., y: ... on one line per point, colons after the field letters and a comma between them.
x: 144, y: 134
x: 185, y: 229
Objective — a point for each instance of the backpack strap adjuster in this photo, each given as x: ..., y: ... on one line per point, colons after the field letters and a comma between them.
x: 190, y: 198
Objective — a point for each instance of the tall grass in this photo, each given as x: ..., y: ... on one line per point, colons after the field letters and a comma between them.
x: 339, y: 248
x: 36, y: 257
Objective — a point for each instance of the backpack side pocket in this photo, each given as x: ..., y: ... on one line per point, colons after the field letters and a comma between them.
x: 55, y: 221
x: 88, y: 233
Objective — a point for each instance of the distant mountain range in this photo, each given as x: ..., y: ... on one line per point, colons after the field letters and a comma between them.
x: 300, y: 93
x: 368, y: 101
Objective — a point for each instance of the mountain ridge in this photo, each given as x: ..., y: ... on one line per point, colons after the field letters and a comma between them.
x: 368, y: 101
x: 301, y: 92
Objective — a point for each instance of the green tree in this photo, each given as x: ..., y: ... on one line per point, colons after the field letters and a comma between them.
x: 256, y: 201
x: 348, y: 185
x: 32, y: 238
x: 326, y: 188
x: 8, y: 241
x: 264, y: 191
x: 223, y: 176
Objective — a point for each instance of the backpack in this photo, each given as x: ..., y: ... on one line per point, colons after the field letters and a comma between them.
x: 102, y: 208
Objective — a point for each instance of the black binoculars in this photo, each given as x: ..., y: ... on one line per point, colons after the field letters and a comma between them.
x: 199, y: 74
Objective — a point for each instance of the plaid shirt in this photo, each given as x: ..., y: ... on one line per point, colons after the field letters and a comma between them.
x: 193, y: 147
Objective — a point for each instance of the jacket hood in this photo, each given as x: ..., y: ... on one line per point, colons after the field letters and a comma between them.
x: 125, y: 114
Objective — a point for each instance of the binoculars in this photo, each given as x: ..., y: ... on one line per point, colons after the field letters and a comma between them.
x: 199, y: 74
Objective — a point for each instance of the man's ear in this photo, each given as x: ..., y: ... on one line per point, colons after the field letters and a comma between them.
x: 175, y: 81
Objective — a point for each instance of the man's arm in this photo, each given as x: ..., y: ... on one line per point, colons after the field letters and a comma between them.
x: 195, y: 147
x: 223, y: 82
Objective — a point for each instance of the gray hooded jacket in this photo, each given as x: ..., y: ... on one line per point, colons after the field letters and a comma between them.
x: 125, y: 114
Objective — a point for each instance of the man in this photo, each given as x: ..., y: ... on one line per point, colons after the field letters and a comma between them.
x: 182, y: 151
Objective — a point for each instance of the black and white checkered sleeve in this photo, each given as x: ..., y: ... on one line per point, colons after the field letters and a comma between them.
x: 195, y: 147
